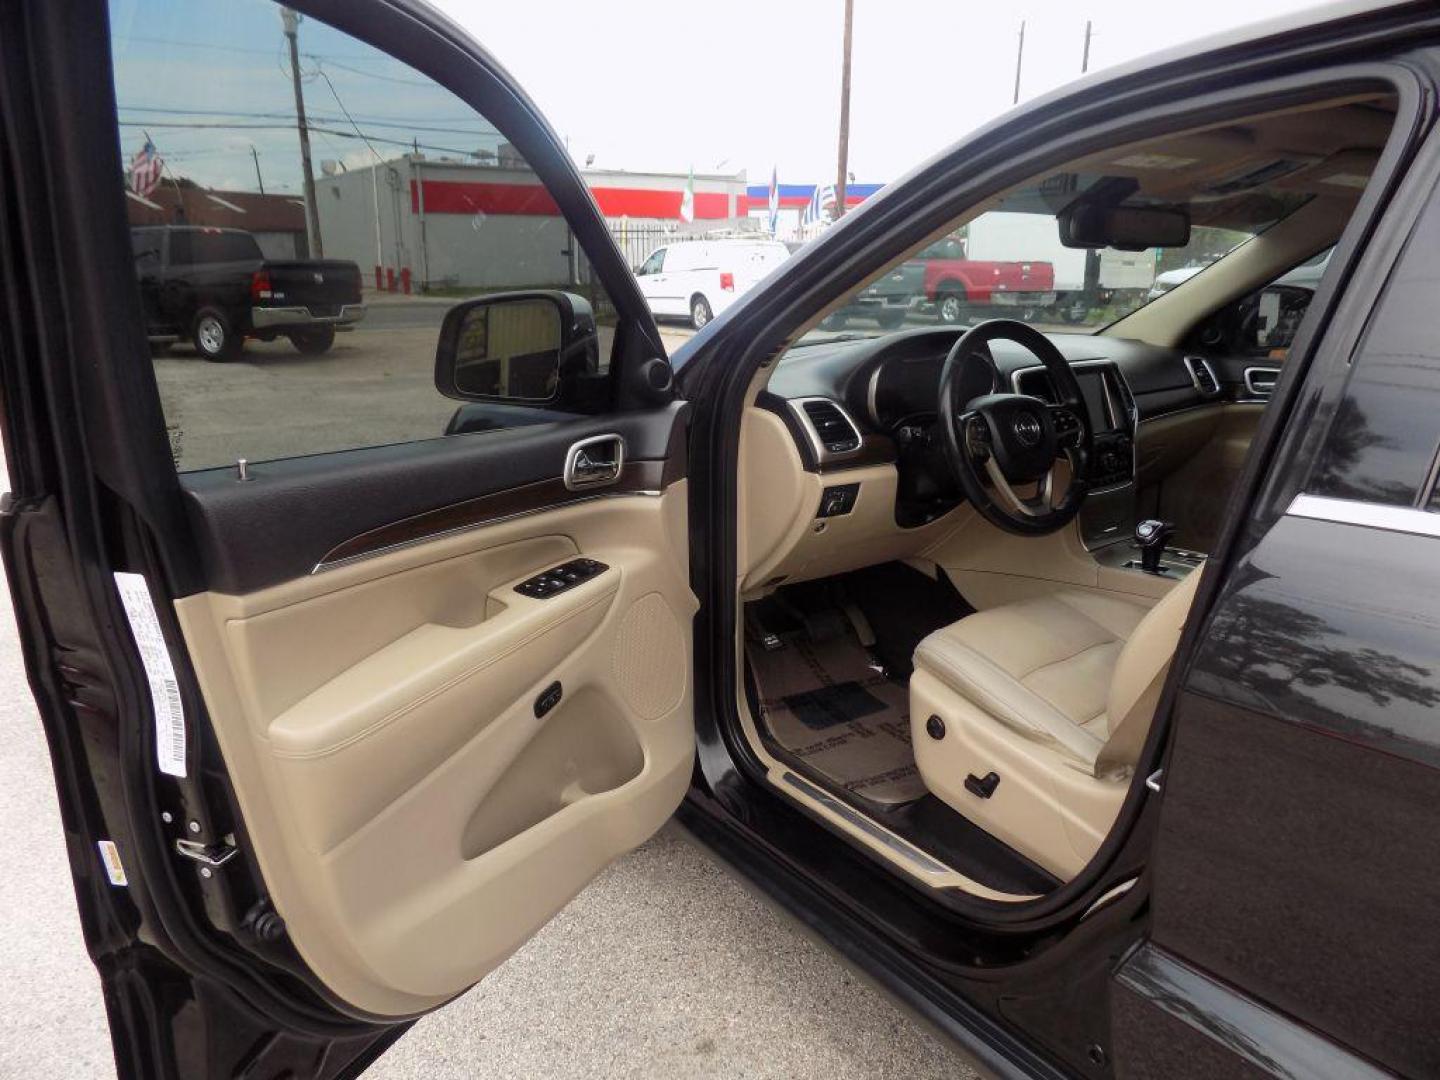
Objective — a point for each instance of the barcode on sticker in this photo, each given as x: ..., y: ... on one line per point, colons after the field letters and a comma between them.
x: 159, y: 672
x: 114, y: 868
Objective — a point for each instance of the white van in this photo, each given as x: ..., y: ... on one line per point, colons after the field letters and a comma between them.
x: 698, y: 279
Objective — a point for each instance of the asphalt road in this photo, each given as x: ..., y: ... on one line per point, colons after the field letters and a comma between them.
x: 666, y: 966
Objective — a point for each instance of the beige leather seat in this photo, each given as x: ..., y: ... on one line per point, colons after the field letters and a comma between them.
x: 1055, y: 696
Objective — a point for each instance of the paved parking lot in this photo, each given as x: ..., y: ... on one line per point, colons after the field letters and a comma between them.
x: 665, y: 967
x: 375, y: 386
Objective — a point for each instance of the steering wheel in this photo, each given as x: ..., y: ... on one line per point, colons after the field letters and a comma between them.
x: 1013, y: 439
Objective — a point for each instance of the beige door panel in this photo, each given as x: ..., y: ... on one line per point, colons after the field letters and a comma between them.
x: 1195, y: 496
x: 413, y: 819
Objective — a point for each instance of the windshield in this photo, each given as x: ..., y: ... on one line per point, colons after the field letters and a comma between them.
x: 1010, y: 263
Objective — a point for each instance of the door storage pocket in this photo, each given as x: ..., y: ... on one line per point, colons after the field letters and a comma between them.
x: 585, y: 748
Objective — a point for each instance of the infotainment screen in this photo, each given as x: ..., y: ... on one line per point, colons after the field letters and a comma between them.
x: 1097, y: 400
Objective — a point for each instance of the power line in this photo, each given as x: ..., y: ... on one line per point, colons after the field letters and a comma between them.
x: 473, y: 118
x: 375, y: 153
x: 339, y: 133
x: 393, y: 122
x: 377, y: 75
x: 251, y: 49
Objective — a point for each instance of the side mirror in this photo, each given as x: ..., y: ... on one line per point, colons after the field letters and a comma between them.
x: 1126, y: 228
x: 520, y: 347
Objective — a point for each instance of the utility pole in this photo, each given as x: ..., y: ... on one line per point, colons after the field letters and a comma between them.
x: 1085, y: 56
x: 1019, y: 56
x: 843, y: 171
x: 419, y: 178
x: 258, y: 178
x: 290, y: 20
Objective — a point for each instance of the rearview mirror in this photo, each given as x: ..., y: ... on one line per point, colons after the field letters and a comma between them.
x: 516, y: 347
x: 1125, y: 228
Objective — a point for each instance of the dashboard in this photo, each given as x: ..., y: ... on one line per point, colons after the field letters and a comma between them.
x: 855, y: 403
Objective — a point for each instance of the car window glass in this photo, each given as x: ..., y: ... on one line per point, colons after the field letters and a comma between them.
x: 655, y: 263
x: 307, y: 316
x: 1382, y: 442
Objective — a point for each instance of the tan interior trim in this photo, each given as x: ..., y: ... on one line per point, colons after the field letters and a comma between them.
x: 1168, y: 318
x: 1054, y: 813
x: 780, y: 535
x: 991, y: 567
x: 413, y: 819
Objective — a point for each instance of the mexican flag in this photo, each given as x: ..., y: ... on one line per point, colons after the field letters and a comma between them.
x: 687, y: 199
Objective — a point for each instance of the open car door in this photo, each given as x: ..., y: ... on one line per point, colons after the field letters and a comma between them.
x: 338, y: 726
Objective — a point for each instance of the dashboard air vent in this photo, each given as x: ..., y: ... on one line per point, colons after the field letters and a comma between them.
x: 832, y: 427
x: 1203, y: 376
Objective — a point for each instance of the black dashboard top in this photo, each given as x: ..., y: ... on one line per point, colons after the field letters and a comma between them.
x: 1159, y: 379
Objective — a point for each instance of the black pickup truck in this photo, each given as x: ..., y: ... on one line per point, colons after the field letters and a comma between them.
x: 215, y: 287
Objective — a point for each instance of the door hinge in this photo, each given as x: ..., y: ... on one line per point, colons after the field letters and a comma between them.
x: 207, y: 855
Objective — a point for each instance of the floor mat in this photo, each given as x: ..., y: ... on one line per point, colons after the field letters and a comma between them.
x: 823, y: 703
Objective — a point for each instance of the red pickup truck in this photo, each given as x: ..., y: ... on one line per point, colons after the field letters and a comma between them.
x: 958, y: 286
x: 940, y: 280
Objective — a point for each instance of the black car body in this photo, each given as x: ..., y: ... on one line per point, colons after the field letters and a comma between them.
x: 216, y: 287
x: 1261, y: 903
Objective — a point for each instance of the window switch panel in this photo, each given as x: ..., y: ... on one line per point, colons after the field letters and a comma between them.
x: 559, y: 578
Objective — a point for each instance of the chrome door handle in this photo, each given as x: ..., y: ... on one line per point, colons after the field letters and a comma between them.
x: 594, y: 462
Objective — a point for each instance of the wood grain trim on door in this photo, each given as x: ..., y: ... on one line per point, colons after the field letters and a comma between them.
x: 636, y: 478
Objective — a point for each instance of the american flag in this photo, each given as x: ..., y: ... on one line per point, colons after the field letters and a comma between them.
x: 820, y: 202
x: 145, y: 169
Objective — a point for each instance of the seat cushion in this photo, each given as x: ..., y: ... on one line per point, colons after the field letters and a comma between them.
x: 1042, y: 667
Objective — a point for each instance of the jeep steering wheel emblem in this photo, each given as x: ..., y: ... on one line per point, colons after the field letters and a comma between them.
x: 1027, y: 429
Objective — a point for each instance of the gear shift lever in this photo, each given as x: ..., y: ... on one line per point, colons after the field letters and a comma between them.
x: 1151, y: 535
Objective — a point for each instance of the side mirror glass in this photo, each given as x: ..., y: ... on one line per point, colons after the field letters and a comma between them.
x: 518, y: 347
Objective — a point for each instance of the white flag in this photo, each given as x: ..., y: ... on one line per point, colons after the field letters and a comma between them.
x: 687, y: 200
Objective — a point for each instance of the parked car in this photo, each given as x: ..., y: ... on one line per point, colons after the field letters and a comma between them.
x: 696, y: 280
x: 940, y: 281
x: 1079, y: 687
x: 216, y: 288
x: 961, y: 287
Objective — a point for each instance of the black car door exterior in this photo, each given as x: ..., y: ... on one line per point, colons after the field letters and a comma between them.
x: 1295, y: 869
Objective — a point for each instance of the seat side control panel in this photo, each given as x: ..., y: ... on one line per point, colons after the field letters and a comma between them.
x: 559, y: 578
x: 838, y: 500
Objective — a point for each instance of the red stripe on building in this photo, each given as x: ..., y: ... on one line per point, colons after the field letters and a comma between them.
x: 474, y: 197
x: 642, y: 203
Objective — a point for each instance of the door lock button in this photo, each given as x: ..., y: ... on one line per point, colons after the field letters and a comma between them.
x: 559, y: 578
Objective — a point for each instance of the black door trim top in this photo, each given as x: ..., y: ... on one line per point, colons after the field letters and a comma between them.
x: 295, y: 515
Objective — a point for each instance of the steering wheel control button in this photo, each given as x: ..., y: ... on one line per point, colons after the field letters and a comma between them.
x: 835, y: 501
x: 559, y: 578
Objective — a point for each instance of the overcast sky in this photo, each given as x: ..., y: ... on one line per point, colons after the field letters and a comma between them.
x: 756, y: 83
x: 642, y: 84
